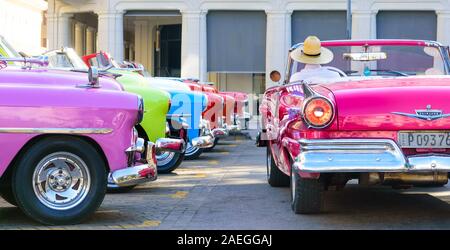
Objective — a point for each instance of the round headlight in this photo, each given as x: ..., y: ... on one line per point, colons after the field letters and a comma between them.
x: 318, y: 112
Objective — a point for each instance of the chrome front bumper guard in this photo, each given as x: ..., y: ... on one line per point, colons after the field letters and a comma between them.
x: 364, y: 155
x: 219, y: 132
x: 205, y: 141
x: 137, y: 174
x: 170, y: 145
x: 207, y: 138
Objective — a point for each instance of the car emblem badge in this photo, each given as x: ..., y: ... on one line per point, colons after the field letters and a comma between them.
x: 425, y: 114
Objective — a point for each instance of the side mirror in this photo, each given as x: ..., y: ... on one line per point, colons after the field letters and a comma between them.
x: 275, y: 76
x: 93, y: 77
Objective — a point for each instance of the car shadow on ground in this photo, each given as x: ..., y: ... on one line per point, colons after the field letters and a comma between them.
x: 259, y: 206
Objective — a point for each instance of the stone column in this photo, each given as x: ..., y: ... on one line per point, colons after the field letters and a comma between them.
x: 278, y: 42
x: 90, y: 40
x: 443, y: 26
x: 80, y: 31
x: 363, y: 27
x: 110, y: 34
x: 193, y: 45
x: 59, y: 28
x: 364, y: 24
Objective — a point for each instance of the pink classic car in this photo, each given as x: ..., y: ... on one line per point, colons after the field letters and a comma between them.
x: 385, y: 120
x: 61, y: 133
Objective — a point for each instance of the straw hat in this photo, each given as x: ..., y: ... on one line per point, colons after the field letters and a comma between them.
x: 311, y: 52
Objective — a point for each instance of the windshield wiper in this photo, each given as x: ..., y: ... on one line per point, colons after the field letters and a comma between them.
x: 102, y: 72
x: 398, y: 73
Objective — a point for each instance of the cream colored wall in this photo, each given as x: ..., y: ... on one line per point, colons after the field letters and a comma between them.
x: 194, y: 12
x: 20, y: 24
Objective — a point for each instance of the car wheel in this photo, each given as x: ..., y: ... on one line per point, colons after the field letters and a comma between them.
x: 216, y: 140
x: 7, y: 194
x: 306, y: 194
x: 192, y: 153
x: 60, y: 180
x: 275, y: 177
x: 168, y: 161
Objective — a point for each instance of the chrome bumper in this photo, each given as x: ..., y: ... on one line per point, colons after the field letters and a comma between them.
x: 233, y: 128
x: 137, y: 174
x: 219, y: 132
x: 364, y: 155
x: 205, y: 141
x: 170, y: 145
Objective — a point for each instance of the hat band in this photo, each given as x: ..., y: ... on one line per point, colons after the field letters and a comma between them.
x: 311, y: 54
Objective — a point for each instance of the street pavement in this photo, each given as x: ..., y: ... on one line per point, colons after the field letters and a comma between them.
x: 227, y: 189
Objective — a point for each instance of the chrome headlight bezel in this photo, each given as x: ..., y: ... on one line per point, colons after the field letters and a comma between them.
x: 141, y: 110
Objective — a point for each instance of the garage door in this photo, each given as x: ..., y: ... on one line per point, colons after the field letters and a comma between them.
x: 236, y: 41
x: 327, y: 25
x: 406, y: 25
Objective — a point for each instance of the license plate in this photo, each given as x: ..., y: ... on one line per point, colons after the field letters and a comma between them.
x: 424, y: 139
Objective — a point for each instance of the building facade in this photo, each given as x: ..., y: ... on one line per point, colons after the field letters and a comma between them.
x: 22, y: 23
x: 234, y: 43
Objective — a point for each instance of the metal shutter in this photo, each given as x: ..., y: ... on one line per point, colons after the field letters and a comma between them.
x: 236, y: 41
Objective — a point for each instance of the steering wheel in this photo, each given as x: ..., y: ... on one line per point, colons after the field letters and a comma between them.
x: 334, y: 69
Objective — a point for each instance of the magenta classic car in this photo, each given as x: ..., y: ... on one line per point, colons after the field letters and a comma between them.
x: 60, y: 141
x: 385, y: 120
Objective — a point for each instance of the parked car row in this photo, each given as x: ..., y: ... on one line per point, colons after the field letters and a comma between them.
x: 72, y: 128
x: 383, y: 120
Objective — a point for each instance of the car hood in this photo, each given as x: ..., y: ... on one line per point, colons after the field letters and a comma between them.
x: 390, y: 104
x: 167, y: 84
x: 54, y: 78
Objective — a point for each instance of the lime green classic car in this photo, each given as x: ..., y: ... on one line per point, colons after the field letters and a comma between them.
x: 156, y: 101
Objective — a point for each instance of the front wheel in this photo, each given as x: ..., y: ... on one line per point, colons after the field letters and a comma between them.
x: 7, y: 194
x: 60, y: 180
x: 167, y: 162
x: 306, y: 194
x: 192, y: 152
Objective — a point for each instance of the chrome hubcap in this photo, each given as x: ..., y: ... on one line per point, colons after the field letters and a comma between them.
x: 164, y: 158
x: 190, y: 150
x: 268, y: 164
x: 61, y: 180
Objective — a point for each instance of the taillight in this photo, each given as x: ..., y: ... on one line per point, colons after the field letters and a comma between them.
x: 318, y: 112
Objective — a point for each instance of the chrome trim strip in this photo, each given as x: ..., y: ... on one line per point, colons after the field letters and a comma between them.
x: 364, y: 155
x: 56, y: 130
x: 178, y: 115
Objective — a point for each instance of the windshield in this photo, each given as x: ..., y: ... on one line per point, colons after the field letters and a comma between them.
x: 6, y: 50
x: 67, y: 58
x: 383, y: 61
